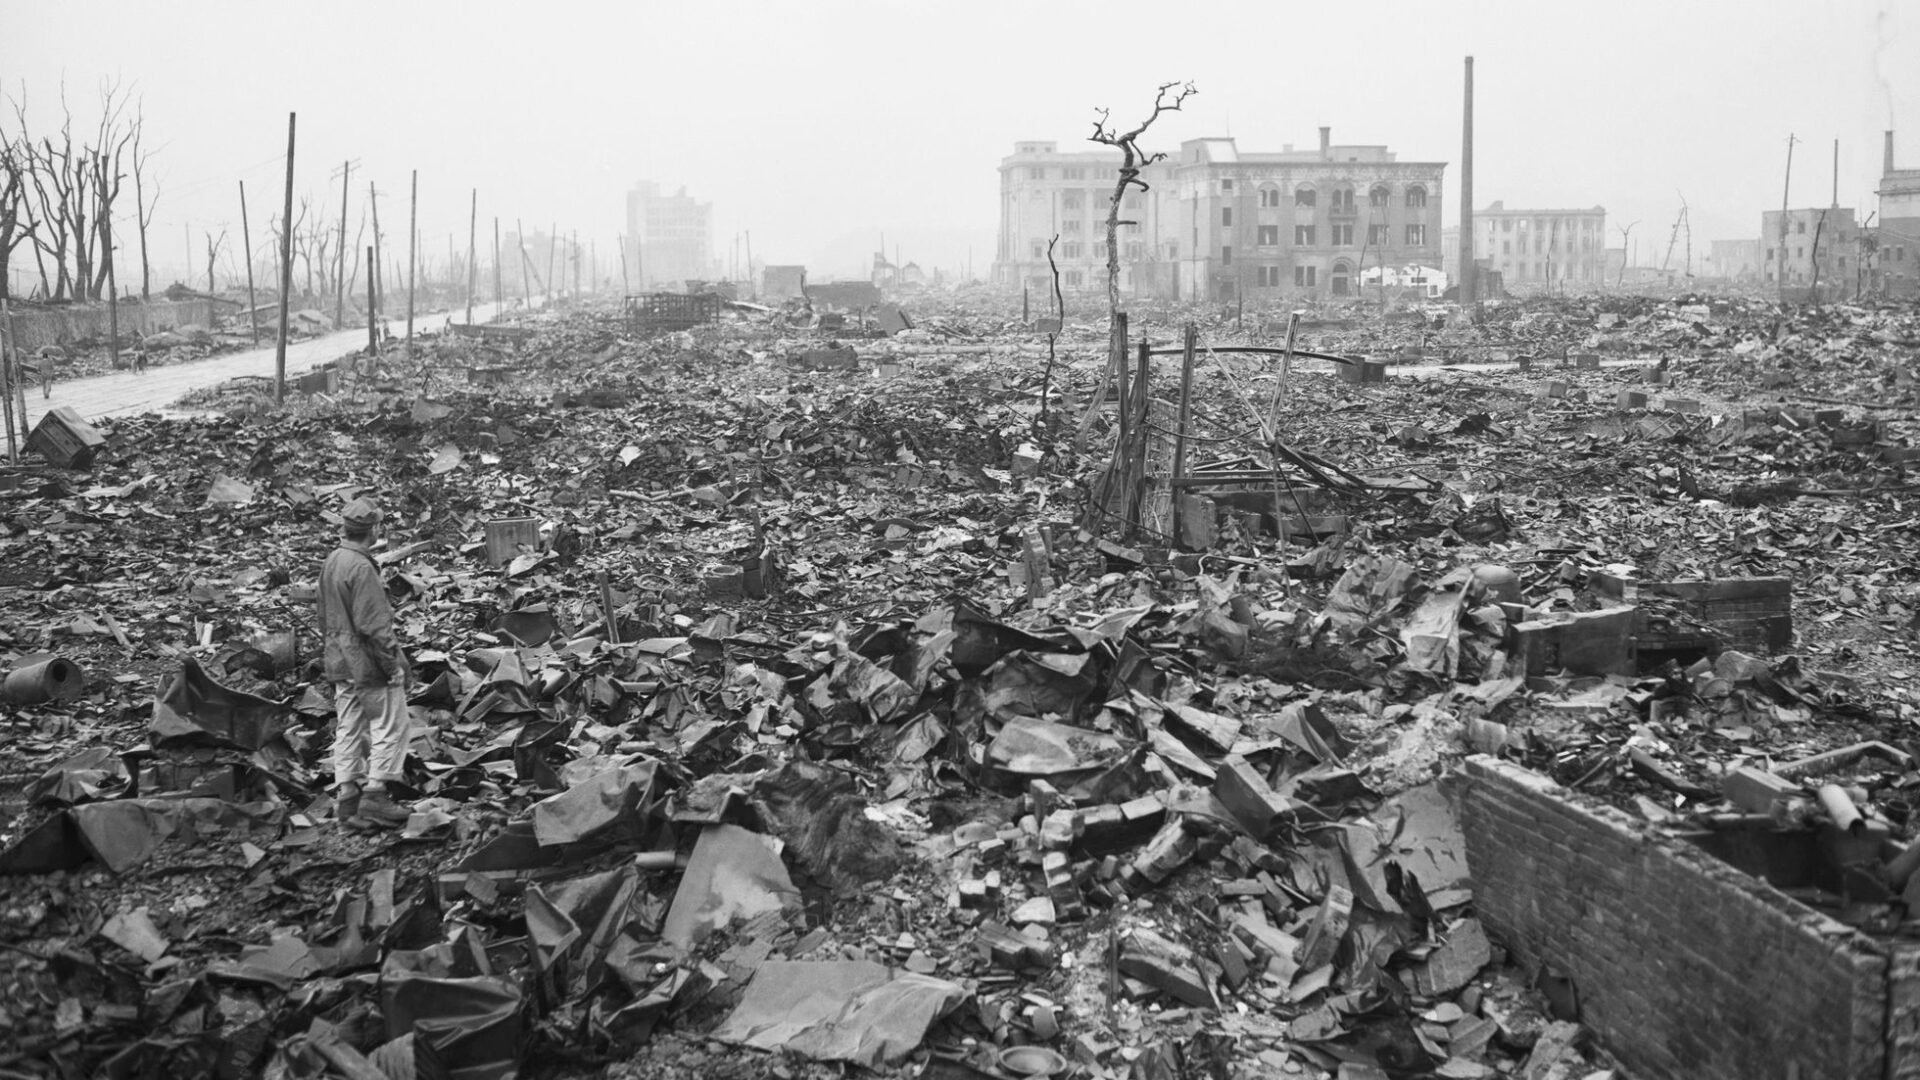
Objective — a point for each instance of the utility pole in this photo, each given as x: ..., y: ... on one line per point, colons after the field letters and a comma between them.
x: 1625, y: 233
x: 473, y: 223
x: 751, y: 290
x: 520, y: 237
x: 340, y: 275
x: 573, y: 249
x: 286, y: 275
x: 373, y: 199
x: 499, y: 303
x: 1469, y: 288
x: 373, y: 325
x: 553, y: 228
x: 246, y: 237
x: 1785, y: 187
x: 413, y: 260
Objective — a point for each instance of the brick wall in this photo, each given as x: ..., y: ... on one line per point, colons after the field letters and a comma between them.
x: 1685, y: 967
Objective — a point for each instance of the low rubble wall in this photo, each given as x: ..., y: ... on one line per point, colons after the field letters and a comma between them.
x: 1684, y: 966
x: 39, y: 327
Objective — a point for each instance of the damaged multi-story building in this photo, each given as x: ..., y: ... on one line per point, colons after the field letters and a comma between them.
x: 669, y: 237
x: 1895, y: 259
x: 1216, y: 222
x: 1543, y: 250
x: 1816, y: 247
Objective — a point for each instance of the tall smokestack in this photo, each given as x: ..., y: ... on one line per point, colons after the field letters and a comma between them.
x: 1326, y: 143
x: 1468, y: 286
x: 1886, y: 166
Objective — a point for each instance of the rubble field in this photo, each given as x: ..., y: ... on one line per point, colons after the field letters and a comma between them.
x: 805, y: 697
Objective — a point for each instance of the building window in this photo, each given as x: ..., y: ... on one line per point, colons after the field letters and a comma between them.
x: 1343, y: 200
x: 1303, y: 196
x: 1070, y: 250
x: 1071, y: 279
x: 1378, y: 196
x: 1136, y: 250
x: 1100, y: 250
x: 1226, y: 216
x: 1416, y: 236
x: 1226, y: 184
x: 1506, y: 224
x: 1070, y: 200
x: 1270, y: 277
x: 1226, y: 255
x: 1303, y: 236
x: 1416, y: 196
x: 1506, y: 247
x: 1037, y: 172
x: 1131, y: 202
x: 1799, y: 253
x: 1269, y: 235
x: 1070, y: 225
x: 1342, y: 235
x: 1800, y: 226
x: 1377, y: 236
x: 1899, y: 254
x: 1303, y: 276
x: 1173, y: 249
x: 1269, y: 196
x: 1073, y: 174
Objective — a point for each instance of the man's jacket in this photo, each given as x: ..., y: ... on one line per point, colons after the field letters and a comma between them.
x: 356, y: 620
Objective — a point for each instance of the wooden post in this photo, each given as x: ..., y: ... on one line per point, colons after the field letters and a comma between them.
x: 499, y: 299
x: 573, y: 252
x: 286, y: 276
x: 7, y: 377
x: 413, y: 259
x: 626, y: 286
x: 520, y: 238
x: 1137, y: 466
x: 340, y: 273
x: 547, y: 285
x: 373, y: 272
x: 246, y: 237
x: 473, y: 223
x: 1286, y: 371
x: 373, y: 325
x: 1187, y: 347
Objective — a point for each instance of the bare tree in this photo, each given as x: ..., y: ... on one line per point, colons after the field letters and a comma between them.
x: 14, y: 226
x: 73, y: 188
x: 1132, y: 160
x: 142, y: 206
x: 214, y: 244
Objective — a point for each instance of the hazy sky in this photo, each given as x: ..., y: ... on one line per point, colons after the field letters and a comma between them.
x: 822, y: 126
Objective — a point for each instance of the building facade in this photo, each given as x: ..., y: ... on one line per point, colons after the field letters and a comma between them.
x: 1217, y: 223
x: 669, y: 238
x: 1543, y: 250
x: 1895, y: 258
x: 1736, y: 260
x: 1817, y: 247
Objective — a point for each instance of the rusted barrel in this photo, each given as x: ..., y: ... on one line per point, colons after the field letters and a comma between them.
x: 49, y: 678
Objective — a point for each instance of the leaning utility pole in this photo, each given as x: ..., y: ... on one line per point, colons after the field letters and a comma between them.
x: 499, y: 304
x: 1785, y: 187
x: 246, y: 237
x: 286, y: 276
x: 1468, y: 286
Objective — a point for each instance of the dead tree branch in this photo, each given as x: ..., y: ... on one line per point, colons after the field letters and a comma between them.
x: 1169, y: 98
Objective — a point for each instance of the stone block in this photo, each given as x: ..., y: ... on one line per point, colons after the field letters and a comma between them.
x: 1755, y: 790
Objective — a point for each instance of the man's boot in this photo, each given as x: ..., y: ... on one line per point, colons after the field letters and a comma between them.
x: 346, y: 804
x: 378, y: 811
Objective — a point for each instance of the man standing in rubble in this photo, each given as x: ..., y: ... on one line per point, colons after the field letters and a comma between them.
x: 369, y: 673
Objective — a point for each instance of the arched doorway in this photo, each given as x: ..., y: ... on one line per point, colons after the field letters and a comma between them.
x: 1342, y: 278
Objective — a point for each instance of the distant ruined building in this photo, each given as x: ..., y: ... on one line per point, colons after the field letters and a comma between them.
x: 1218, y: 223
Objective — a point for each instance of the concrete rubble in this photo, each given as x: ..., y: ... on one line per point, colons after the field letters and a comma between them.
x: 808, y: 697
